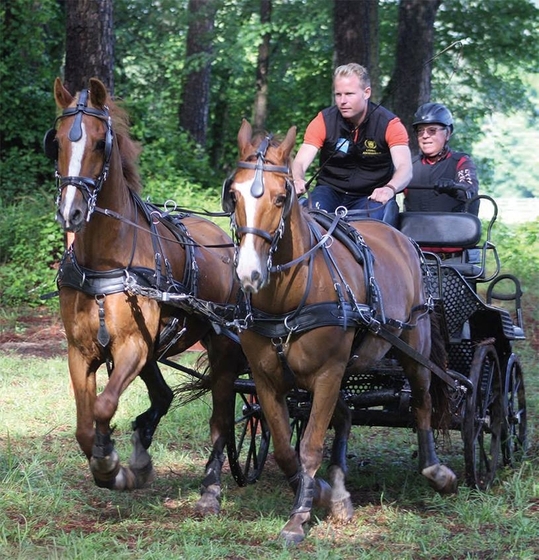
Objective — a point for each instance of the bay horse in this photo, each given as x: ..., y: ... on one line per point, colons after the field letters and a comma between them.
x: 122, y: 243
x: 317, y: 309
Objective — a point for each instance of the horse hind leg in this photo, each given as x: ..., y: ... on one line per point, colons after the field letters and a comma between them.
x: 226, y: 361
x: 145, y: 424
x: 440, y: 477
x: 341, y: 507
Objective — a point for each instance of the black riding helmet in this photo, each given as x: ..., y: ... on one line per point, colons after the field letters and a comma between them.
x: 433, y: 113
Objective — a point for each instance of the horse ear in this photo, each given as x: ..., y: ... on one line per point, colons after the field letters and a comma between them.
x: 288, y: 143
x: 62, y: 97
x: 244, y: 138
x: 98, y: 93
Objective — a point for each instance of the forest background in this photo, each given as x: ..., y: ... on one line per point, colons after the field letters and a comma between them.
x: 188, y: 71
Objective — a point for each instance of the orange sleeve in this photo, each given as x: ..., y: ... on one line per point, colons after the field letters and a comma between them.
x: 315, y: 133
x: 396, y: 134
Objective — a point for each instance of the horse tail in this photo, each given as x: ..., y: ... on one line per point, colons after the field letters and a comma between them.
x: 198, y: 385
x: 439, y: 390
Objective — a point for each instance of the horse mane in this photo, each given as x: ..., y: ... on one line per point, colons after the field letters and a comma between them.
x: 129, y: 149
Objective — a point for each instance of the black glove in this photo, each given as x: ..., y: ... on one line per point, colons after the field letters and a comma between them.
x: 447, y: 186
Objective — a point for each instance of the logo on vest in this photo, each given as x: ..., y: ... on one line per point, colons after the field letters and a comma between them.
x: 342, y: 145
x: 371, y: 148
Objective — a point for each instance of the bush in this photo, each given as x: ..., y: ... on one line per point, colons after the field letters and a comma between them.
x: 31, y: 245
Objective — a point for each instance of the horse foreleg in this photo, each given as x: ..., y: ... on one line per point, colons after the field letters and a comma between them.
x: 83, y: 381
x: 309, y: 490
x: 104, y: 462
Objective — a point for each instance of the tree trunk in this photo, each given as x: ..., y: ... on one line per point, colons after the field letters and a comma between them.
x: 261, y: 98
x: 355, y: 31
x: 410, y: 84
x: 195, y: 97
x: 89, y: 44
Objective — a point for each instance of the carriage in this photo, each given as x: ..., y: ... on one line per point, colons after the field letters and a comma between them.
x: 142, y: 284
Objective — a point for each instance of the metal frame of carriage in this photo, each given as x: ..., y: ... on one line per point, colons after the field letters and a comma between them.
x: 487, y: 393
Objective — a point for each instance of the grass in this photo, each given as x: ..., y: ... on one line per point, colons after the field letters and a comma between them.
x: 50, y: 508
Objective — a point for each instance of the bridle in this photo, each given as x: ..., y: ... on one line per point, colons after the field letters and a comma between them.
x: 261, y: 166
x: 89, y: 186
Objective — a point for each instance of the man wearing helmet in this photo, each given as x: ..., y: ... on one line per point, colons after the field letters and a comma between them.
x: 448, y: 179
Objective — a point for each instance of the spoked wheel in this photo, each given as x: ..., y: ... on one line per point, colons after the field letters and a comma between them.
x: 482, y: 426
x: 299, y: 408
x: 248, y: 447
x: 514, y: 437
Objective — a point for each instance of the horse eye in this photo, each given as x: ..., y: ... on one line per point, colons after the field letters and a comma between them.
x: 100, y: 146
x: 280, y: 199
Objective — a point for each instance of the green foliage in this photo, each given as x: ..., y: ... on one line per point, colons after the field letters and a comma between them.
x: 518, y: 247
x: 31, y: 244
x: 31, y: 52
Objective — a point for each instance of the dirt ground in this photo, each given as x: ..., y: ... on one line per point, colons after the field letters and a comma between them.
x: 38, y: 332
x: 35, y: 332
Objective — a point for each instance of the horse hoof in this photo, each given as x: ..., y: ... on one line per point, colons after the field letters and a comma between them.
x: 292, y: 532
x: 322, y: 496
x: 210, y: 501
x: 144, y: 476
x: 441, y: 478
x: 342, y: 510
x: 207, y: 505
x: 291, y: 537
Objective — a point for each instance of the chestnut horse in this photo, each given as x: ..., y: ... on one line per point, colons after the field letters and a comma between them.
x: 120, y: 244
x: 316, y: 311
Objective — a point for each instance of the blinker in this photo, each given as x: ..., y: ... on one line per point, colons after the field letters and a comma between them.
x: 50, y: 146
x: 75, y: 132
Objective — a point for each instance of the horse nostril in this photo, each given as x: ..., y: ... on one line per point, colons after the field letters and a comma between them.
x: 255, y: 276
x: 77, y: 217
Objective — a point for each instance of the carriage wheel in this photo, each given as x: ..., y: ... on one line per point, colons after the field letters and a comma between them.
x: 483, y: 421
x: 248, y: 448
x: 515, y: 429
x: 299, y: 408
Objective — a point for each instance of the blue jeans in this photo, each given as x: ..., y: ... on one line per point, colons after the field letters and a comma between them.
x: 328, y: 199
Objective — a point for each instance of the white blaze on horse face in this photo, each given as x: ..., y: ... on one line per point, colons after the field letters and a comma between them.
x: 74, y: 170
x: 250, y: 269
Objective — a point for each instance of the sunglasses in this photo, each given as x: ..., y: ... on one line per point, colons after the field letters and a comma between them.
x: 430, y: 130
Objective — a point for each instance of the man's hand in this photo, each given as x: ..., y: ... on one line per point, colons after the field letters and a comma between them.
x: 383, y: 194
x: 299, y: 186
x: 446, y: 186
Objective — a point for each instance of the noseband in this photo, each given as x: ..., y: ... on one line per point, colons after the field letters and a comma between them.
x: 89, y: 186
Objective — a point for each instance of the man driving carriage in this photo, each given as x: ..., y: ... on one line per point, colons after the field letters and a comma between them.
x: 365, y: 159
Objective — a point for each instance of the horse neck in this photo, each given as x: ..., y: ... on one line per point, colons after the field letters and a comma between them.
x: 106, y: 242
x: 296, y: 239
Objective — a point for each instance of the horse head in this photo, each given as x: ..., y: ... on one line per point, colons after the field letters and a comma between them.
x: 260, y: 194
x: 81, y: 144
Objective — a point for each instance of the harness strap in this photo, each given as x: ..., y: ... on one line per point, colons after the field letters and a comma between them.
x: 448, y: 377
x: 103, y: 335
x: 307, y: 318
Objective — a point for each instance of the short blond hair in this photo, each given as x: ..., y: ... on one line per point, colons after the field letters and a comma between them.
x: 353, y: 69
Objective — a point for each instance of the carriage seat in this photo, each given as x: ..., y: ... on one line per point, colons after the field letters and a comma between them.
x: 431, y: 230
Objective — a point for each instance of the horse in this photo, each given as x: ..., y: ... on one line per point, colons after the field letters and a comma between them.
x: 123, y: 246
x: 317, y: 308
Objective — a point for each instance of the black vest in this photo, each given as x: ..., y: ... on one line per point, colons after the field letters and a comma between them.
x: 426, y: 175
x: 356, y: 167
